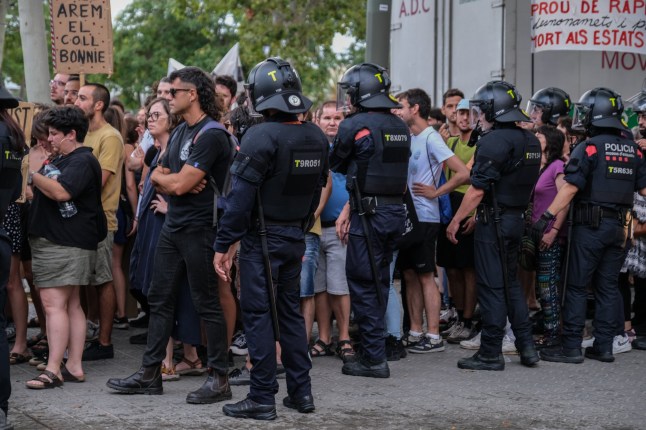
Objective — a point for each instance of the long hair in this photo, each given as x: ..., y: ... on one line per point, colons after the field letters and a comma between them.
x: 209, y: 103
x: 554, y: 140
x: 173, y: 120
x: 16, y: 134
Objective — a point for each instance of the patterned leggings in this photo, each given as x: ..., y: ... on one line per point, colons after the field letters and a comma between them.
x: 548, y: 277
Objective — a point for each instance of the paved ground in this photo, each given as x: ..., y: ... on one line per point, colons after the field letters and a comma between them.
x: 424, y: 391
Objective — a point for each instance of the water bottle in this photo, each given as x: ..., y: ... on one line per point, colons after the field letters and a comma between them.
x: 68, y: 208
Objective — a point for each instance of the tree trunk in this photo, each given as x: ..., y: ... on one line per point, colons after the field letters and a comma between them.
x: 4, y: 7
x: 32, y: 33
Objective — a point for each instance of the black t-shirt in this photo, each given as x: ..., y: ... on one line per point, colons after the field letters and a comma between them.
x: 81, y: 178
x: 209, y: 153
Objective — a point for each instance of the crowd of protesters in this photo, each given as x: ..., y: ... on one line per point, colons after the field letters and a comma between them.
x: 81, y: 263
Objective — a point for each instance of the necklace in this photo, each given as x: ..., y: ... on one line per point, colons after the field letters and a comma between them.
x: 198, y: 120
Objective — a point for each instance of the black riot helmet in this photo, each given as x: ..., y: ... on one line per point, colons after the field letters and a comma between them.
x: 599, y: 107
x: 498, y: 101
x: 551, y: 103
x: 365, y: 85
x: 274, y: 84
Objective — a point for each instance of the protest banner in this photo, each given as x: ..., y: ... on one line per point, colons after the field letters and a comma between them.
x: 81, y: 32
x: 24, y: 116
x: 589, y: 25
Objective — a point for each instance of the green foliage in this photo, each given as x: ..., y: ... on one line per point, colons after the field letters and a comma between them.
x: 200, y: 32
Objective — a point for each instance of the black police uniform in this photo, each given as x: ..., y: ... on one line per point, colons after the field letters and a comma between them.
x: 606, y: 169
x: 374, y: 147
x: 10, y: 164
x: 509, y: 157
x: 287, y: 159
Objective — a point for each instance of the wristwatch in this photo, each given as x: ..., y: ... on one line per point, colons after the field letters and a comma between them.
x: 30, y: 178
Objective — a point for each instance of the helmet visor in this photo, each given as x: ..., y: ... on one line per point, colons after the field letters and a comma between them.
x: 250, y: 102
x: 534, y: 111
x: 474, y: 115
x: 581, y: 112
x: 343, y: 98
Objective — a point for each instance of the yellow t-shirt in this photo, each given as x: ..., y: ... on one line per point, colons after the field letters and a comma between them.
x: 107, y: 147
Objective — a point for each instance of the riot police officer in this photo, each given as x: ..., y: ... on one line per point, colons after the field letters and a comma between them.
x: 601, y: 177
x: 277, y: 179
x: 507, y: 161
x: 548, y: 105
x: 372, y: 148
x: 12, y: 149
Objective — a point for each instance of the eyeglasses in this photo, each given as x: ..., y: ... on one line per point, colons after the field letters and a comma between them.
x: 57, y: 82
x: 154, y: 116
x: 174, y: 91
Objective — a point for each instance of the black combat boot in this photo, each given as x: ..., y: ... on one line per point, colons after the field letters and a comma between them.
x: 363, y: 366
x: 304, y: 404
x: 594, y: 354
x: 215, y: 389
x: 247, y: 408
x: 528, y: 355
x: 481, y: 362
x: 147, y: 380
x: 559, y: 354
x: 394, y: 349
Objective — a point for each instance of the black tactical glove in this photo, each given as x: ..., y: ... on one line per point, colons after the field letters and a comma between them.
x: 538, y: 228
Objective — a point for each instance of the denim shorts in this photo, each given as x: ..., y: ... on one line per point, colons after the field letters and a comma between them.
x: 310, y: 264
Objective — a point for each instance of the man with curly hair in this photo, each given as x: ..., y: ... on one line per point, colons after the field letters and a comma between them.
x: 198, y: 152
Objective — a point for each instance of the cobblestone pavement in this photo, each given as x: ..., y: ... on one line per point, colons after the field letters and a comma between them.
x: 424, y: 391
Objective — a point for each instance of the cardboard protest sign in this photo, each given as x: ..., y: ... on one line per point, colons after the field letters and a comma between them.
x: 24, y: 116
x: 589, y: 25
x: 81, y: 36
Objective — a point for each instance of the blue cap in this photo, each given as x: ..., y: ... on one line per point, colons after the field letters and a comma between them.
x: 463, y: 104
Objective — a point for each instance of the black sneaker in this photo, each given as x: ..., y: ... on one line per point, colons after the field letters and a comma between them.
x: 141, y: 322
x: 395, y: 349
x: 480, y: 362
x: 247, y: 408
x: 96, y: 351
x: 120, y: 323
x: 604, y: 356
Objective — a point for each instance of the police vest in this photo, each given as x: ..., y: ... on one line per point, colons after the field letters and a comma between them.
x: 288, y: 188
x: 520, y: 173
x: 612, y: 181
x: 10, y: 173
x: 386, y: 171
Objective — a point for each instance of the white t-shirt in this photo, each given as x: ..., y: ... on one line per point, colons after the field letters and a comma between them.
x: 428, y: 152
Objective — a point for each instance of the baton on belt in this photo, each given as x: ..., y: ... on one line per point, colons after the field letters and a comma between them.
x: 501, y: 242
x: 367, y: 229
x: 265, y: 258
x: 570, y: 225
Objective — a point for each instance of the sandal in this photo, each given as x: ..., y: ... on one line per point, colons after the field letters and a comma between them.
x: 346, y: 354
x: 68, y: 377
x: 169, y: 374
x: 323, y: 350
x: 33, y: 323
x: 41, y: 348
x: 33, y: 340
x: 195, y: 368
x: 16, y: 358
x: 42, y: 382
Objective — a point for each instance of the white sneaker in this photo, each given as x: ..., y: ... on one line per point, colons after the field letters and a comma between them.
x: 621, y: 343
x: 92, y: 331
x: 473, y: 343
x: 587, y: 343
x: 463, y: 333
x: 447, y: 315
x: 508, y: 346
x: 453, y: 328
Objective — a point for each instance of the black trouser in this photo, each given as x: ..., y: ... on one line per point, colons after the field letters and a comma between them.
x: 5, y: 264
x: 185, y: 254
x: 596, y: 255
x: 491, y: 291
x: 286, y: 248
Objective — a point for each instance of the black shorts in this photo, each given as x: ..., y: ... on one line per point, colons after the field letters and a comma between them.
x: 420, y: 257
x: 458, y: 256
